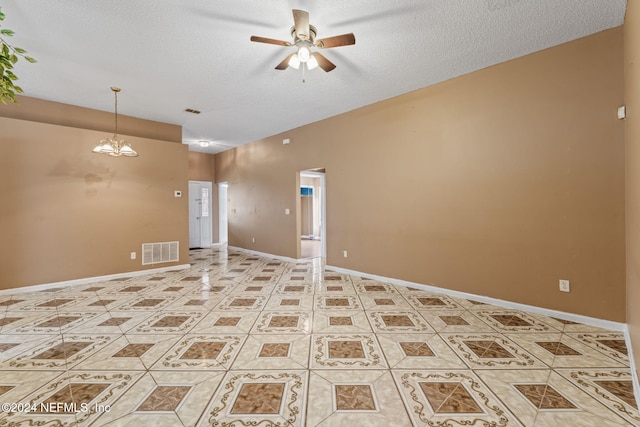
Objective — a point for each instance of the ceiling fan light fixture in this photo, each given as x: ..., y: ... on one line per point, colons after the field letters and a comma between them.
x: 304, y: 53
x: 312, y: 63
x: 294, y: 61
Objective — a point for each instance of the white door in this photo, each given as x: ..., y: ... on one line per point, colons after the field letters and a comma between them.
x: 222, y: 215
x: 199, y: 214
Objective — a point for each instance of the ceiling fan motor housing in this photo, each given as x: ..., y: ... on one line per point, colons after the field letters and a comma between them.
x: 297, y: 40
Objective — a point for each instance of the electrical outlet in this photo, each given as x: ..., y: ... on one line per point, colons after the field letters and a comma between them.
x: 344, y: 254
x: 253, y: 240
x: 565, y: 286
x: 287, y: 211
x: 133, y: 255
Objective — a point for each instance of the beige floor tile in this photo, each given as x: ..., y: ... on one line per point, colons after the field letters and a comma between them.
x: 331, y: 288
x: 22, y: 321
x: 491, y: 351
x: 283, y: 322
x: 559, y: 350
x: 418, y: 351
x: 611, y: 343
x: 231, y: 322
x: 241, y: 302
x: 187, y: 394
x: 337, y: 302
x: 169, y: 322
x: 88, y: 396
x: 12, y: 346
x: 428, y: 301
x: 113, y: 322
x: 451, y: 398
x: 202, y: 352
x: 60, y: 352
x: 346, y: 351
x: 259, y: 398
x: 274, y: 352
x: 289, y: 302
x: 205, y: 302
x: 350, y: 398
x: 57, y: 322
x: 129, y: 352
x: 514, y: 321
x: 398, y: 321
x: 384, y: 301
x: 452, y: 320
x: 373, y: 287
x: 16, y: 385
x: 340, y: 322
x: 293, y: 288
x: 613, y: 388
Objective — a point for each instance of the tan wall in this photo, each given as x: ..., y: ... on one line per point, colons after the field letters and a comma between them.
x: 202, y: 167
x: 55, y: 113
x: 498, y: 183
x: 67, y: 213
x: 632, y: 136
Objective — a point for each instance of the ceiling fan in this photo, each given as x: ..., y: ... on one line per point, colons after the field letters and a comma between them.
x: 304, y: 38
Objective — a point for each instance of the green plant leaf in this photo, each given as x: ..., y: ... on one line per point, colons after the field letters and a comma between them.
x: 7, y: 32
x: 20, y: 50
x: 30, y: 59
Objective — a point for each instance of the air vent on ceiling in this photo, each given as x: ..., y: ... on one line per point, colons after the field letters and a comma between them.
x: 191, y: 110
x: 157, y: 253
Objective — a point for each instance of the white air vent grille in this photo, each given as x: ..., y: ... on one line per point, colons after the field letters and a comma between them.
x: 157, y: 253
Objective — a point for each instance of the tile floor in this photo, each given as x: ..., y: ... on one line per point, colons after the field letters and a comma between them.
x: 239, y: 340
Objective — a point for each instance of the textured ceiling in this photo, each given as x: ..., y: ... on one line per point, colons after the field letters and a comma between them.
x: 168, y: 55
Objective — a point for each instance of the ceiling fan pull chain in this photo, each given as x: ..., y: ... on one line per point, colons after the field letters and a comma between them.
x: 303, y: 67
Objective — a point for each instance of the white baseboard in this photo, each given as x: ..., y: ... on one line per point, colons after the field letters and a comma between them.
x: 209, y: 246
x: 249, y: 251
x: 634, y: 368
x: 592, y: 321
x: 45, y: 286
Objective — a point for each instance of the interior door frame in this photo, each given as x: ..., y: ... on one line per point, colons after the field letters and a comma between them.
x: 323, y: 208
x: 223, y: 219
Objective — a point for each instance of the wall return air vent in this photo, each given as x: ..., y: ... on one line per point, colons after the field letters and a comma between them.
x: 157, y: 253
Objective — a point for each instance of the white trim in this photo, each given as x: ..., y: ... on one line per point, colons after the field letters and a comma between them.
x: 632, y: 365
x: 263, y: 254
x: 54, y: 285
x: 592, y: 321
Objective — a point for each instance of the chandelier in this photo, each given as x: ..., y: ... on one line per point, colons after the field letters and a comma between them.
x: 115, y: 146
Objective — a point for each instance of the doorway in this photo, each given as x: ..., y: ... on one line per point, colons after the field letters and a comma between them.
x: 312, y: 224
x: 223, y: 225
x: 200, y: 224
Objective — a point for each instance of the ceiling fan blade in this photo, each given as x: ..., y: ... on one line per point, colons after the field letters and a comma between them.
x: 269, y: 41
x: 323, y: 62
x: 336, y: 41
x: 301, y: 23
x: 285, y: 63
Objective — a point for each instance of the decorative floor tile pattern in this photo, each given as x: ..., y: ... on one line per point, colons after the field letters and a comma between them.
x: 239, y: 340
